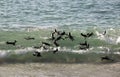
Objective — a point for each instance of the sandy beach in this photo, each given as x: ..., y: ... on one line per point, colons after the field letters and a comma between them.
x: 59, y: 70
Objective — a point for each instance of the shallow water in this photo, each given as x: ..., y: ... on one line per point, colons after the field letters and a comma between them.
x: 108, y: 44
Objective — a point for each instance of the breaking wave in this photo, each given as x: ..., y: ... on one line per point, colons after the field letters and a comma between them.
x: 100, y: 43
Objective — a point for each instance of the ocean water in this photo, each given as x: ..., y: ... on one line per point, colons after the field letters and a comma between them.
x: 60, y: 13
x: 77, y: 16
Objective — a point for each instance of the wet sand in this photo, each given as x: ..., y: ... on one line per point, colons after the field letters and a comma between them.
x: 59, y: 70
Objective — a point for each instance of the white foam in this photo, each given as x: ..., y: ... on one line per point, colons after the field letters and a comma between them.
x: 111, y: 29
x: 118, y: 40
x: 104, y: 48
x: 28, y: 27
x: 117, y: 53
x: 80, y: 51
x: 22, y: 51
x: 109, y: 39
x: 44, y: 38
x: 100, y: 35
x: 4, y: 53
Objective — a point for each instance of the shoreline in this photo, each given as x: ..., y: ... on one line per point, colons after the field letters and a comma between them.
x: 59, y: 70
